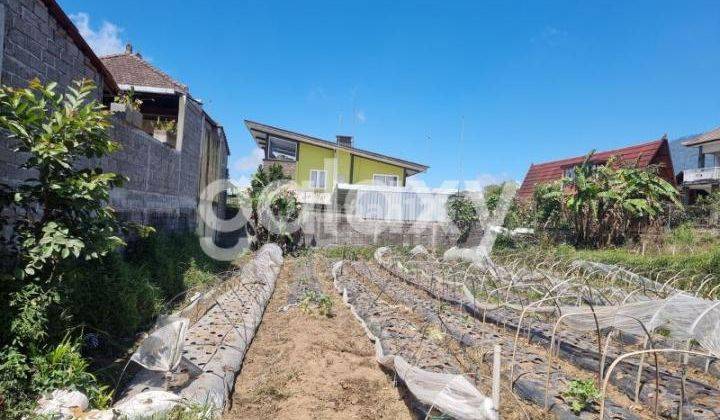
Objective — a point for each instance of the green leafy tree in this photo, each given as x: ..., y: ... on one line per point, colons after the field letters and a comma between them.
x: 274, y: 210
x: 547, y: 204
x: 463, y: 213
x: 58, y: 215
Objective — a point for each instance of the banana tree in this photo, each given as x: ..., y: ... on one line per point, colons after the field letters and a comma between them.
x: 609, y: 203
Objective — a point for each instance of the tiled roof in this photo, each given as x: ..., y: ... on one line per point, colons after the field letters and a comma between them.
x: 645, y: 154
x: 131, y: 69
x: 704, y: 138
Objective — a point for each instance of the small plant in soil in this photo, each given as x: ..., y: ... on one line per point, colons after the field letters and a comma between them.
x: 164, y: 125
x: 581, y: 394
x: 663, y: 332
x: 322, y: 302
x: 129, y: 100
x: 434, y: 333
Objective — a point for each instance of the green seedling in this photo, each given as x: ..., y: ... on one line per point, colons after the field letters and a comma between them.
x: 581, y: 394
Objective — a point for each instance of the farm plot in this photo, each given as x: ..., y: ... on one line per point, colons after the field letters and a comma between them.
x: 310, y: 359
x: 604, y: 315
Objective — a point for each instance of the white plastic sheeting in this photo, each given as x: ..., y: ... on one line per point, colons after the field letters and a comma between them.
x: 146, y: 404
x: 619, y: 273
x: 213, y: 348
x: 236, y: 316
x: 62, y: 404
x: 162, y: 349
x: 452, y: 394
x: 685, y: 317
x: 460, y: 291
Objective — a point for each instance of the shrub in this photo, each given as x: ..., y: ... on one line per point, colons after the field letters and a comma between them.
x: 59, y: 268
x: 274, y: 210
x: 463, y: 213
x: 56, y: 219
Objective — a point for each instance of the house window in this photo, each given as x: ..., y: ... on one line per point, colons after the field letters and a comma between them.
x: 386, y: 180
x: 282, y: 149
x: 318, y: 178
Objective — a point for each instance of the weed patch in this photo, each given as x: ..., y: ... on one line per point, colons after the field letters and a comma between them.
x: 348, y: 252
x: 316, y: 300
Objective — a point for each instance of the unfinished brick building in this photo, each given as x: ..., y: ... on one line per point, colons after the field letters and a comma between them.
x: 166, y: 172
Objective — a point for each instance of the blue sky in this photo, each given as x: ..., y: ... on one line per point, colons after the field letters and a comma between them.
x: 528, y: 81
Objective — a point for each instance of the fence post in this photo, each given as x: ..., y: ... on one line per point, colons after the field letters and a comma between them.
x: 496, y: 377
x: 433, y: 240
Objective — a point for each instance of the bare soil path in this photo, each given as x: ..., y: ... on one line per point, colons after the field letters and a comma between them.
x: 306, y: 365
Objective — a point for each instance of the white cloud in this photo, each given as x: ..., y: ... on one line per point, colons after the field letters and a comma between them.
x: 104, y: 41
x: 360, y: 116
x: 242, y: 182
x: 249, y: 162
x: 483, y: 180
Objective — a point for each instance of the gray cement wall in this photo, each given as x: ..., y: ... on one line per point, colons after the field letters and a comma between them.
x: 163, y: 184
x: 37, y: 46
x: 342, y: 229
x: 161, y: 190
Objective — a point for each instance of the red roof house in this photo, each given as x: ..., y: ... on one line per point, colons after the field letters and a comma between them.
x: 652, y: 153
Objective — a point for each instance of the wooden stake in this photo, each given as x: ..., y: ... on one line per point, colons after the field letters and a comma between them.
x: 496, y: 377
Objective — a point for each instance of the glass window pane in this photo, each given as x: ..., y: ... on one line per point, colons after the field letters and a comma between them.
x: 282, y: 149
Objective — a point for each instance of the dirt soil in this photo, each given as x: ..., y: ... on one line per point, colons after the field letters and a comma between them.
x: 305, y: 365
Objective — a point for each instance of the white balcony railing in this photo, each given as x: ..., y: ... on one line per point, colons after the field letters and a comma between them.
x: 701, y: 175
x: 313, y: 196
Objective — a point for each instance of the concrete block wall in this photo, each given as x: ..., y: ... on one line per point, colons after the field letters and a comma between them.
x: 37, y: 46
x: 34, y: 45
x: 288, y: 167
x: 192, y: 142
x: 163, y: 182
x: 329, y: 228
x: 156, y: 192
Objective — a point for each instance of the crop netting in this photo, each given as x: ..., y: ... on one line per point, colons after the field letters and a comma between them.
x: 450, y: 393
x: 594, y: 316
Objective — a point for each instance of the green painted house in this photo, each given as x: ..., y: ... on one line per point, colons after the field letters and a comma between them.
x: 320, y: 165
